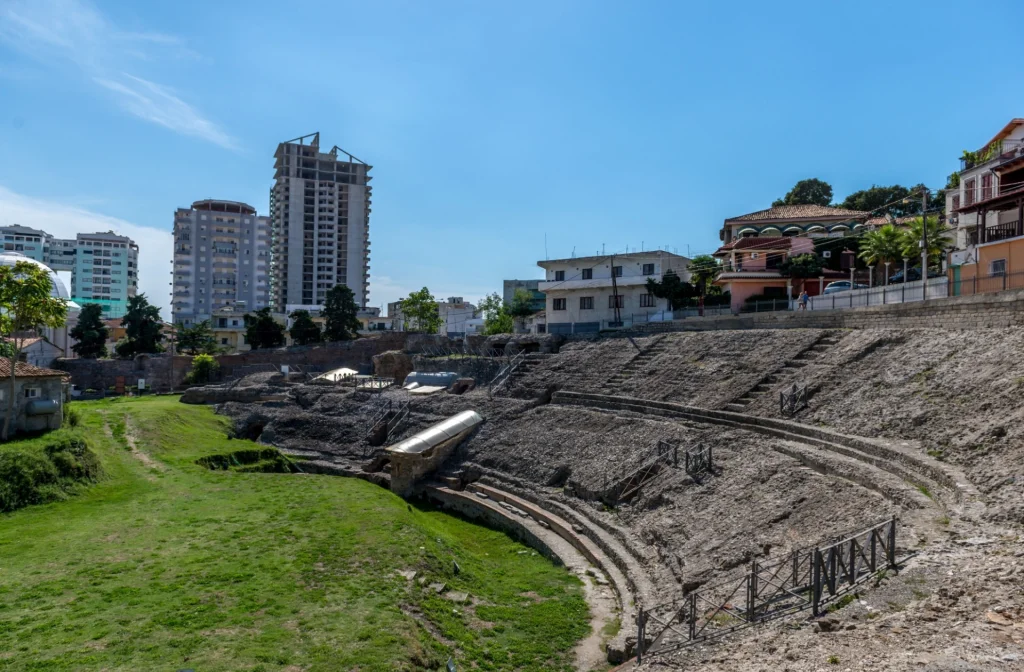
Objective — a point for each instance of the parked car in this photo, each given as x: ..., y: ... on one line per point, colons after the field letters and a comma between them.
x: 912, y: 275
x: 842, y: 286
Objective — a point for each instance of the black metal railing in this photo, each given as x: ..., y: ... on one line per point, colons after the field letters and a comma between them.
x: 806, y: 579
x: 699, y: 461
x: 505, y: 373
x: 793, y: 400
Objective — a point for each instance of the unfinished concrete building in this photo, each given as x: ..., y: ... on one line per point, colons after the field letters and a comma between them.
x: 320, y: 224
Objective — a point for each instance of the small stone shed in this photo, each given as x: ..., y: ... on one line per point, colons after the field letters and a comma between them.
x: 39, y: 396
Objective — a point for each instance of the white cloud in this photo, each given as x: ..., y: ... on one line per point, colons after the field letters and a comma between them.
x: 72, y: 34
x: 158, y: 104
x: 64, y: 221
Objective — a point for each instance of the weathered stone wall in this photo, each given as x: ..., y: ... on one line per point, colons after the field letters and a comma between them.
x: 162, y: 372
x: 983, y: 311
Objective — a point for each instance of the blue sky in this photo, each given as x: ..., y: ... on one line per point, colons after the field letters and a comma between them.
x: 489, y: 125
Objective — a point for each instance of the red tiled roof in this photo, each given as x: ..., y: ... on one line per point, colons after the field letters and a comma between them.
x: 760, y: 243
x: 23, y: 370
x: 882, y: 221
x: 790, y: 212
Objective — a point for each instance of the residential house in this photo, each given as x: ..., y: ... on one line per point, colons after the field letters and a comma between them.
x: 228, y: 327
x: 756, y: 244
x: 38, y: 351
x: 986, y: 205
x: 586, y: 294
x: 39, y: 396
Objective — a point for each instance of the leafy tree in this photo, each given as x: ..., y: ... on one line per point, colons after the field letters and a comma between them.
x: 304, y: 330
x: 497, y: 316
x: 807, y: 192
x: 419, y: 312
x: 801, y: 267
x: 703, y: 270
x: 262, y: 330
x: 143, y: 330
x: 937, y: 241
x: 90, y: 333
x: 26, y: 305
x: 889, y: 199
x: 882, y: 245
x: 197, y: 339
x: 521, y: 306
x: 673, y: 288
x: 340, y: 310
x: 204, y: 369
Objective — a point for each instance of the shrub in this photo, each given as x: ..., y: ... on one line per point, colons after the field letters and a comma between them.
x: 33, y: 476
x: 71, y: 416
x: 204, y: 369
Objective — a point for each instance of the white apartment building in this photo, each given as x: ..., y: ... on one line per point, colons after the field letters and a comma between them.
x: 581, y: 296
x: 221, y: 260
x: 320, y: 224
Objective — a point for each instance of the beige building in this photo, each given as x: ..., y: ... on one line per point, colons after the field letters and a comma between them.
x: 581, y: 295
x: 320, y: 224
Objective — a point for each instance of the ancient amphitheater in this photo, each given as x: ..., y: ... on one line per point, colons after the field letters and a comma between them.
x: 874, y: 525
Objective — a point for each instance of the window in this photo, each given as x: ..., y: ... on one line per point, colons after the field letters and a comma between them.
x: 648, y: 269
x: 986, y: 186
x: 647, y: 300
x: 587, y: 274
x: 559, y: 276
x: 586, y: 302
x: 956, y: 202
x: 616, y: 301
x: 997, y: 267
x: 224, y: 341
x: 969, y: 192
x: 616, y: 271
x: 557, y: 304
x: 31, y: 392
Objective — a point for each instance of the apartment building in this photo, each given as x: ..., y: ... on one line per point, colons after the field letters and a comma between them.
x: 32, y: 243
x: 985, y: 204
x: 320, y: 224
x: 221, y: 260
x: 582, y: 293
x: 106, y: 271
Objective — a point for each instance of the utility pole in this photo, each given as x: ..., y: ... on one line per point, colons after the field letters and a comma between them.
x: 924, y: 244
x: 615, y: 293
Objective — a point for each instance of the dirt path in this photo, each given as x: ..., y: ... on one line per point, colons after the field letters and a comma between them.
x: 131, y: 444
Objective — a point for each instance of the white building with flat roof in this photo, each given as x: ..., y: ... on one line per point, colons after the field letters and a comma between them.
x: 582, y: 293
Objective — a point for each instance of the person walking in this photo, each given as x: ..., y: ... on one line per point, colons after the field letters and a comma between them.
x: 803, y: 300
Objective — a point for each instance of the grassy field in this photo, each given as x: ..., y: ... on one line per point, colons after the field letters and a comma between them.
x: 164, y: 564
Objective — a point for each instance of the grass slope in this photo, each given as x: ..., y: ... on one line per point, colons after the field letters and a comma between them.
x: 167, y: 565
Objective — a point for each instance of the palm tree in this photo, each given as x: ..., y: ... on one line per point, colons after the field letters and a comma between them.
x: 883, y: 245
x: 937, y: 241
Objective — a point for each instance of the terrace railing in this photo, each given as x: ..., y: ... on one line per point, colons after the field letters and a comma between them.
x: 506, y: 372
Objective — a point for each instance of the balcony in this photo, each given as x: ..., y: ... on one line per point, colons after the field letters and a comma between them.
x: 997, y: 153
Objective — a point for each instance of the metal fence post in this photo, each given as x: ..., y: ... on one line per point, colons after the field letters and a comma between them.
x: 751, y: 591
x: 891, y: 553
x: 815, y: 581
x: 640, y: 635
x: 693, y: 615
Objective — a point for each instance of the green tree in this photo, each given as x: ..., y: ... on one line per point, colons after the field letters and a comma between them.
x: 673, y: 288
x: 304, y: 330
x: 262, y: 330
x: 497, y: 318
x: 90, y: 333
x: 340, y: 310
x: 895, y: 200
x: 882, y: 245
x: 807, y: 192
x: 937, y: 241
x: 521, y: 306
x: 703, y: 270
x: 419, y: 312
x: 197, y: 339
x: 204, y: 369
x: 801, y: 267
x: 142, y: 329
x: 26, y: 305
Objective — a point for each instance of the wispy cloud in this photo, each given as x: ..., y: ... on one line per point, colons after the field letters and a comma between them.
x: 73, y: 34
x: 64, y: 221
x: 159, y: 105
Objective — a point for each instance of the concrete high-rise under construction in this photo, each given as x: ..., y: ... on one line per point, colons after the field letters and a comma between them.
x: 320, y: 224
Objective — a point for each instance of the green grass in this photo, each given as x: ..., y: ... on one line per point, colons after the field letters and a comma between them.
x: 165, y: 564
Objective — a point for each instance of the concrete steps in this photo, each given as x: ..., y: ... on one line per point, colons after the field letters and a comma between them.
x: 917, y: 473
x: 632, y: 366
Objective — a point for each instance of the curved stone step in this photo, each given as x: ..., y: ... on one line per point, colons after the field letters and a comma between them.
x: 920, y: 470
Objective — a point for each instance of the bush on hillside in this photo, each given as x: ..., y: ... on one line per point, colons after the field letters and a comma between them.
x: 204, y: 369
x: 30, y: 475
